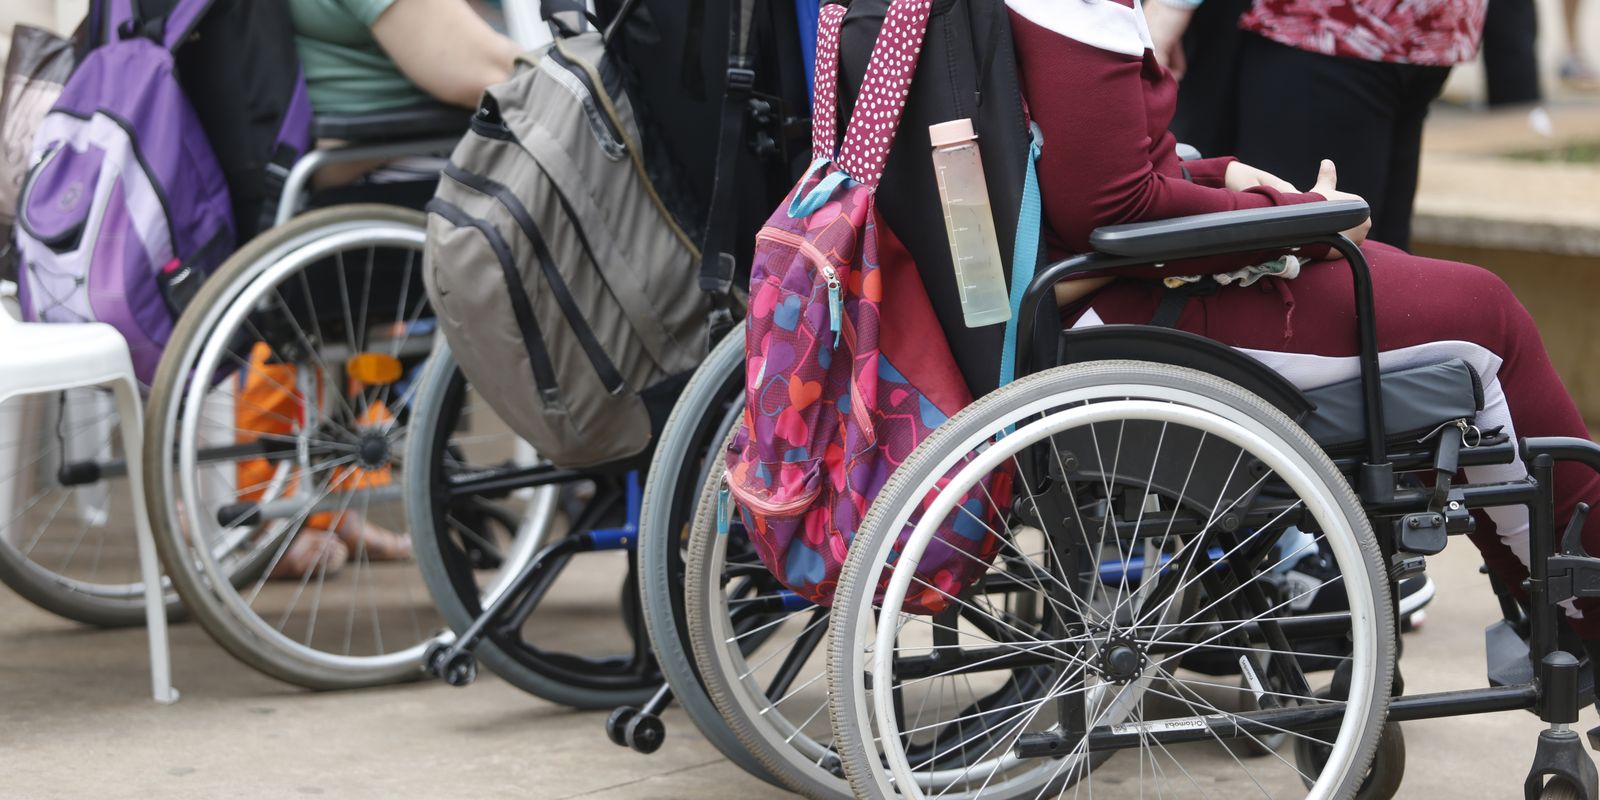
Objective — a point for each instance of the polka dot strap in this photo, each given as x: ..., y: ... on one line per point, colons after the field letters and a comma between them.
x: 883, y: 94
x: 825, y: 84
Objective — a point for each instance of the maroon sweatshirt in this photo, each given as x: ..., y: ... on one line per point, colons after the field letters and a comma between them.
x: 1094, y: 87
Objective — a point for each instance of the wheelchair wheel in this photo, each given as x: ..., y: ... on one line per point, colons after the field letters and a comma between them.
x: 67, y: 541
x: 471, y: 544
x: 686, y: 451
x: 758, y: 648
x: 1383, y: 777
x: 276, y: 423
x: 1191, y: 483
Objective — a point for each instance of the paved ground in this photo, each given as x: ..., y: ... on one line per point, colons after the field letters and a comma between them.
x: 74, y: 722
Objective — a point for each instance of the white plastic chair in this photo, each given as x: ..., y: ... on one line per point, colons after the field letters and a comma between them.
x: 39, y: 358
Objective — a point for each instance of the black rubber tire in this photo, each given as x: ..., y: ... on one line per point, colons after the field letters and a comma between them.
x: 670, y: 498
x: 777, y: 757
x: 429, y: 545
x: 1385, y: 775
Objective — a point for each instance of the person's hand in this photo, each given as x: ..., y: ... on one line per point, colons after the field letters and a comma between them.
x: 1241, y: 176
x: 1327, y: 180
x: 1167, y: 24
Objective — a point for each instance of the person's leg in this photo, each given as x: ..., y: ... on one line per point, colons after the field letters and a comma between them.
x: 1207, y: 115
x: 1428, y: 311
x: 1510, y: 60
x: 1576, y: 71
x: 1571, y: 17
x: 1391, y: 219
x: 1297, y: 108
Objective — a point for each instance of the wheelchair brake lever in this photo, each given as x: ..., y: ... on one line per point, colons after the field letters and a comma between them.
x: 1572, y: 538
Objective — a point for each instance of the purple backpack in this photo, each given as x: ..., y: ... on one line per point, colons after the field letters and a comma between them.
x: 125, y: 209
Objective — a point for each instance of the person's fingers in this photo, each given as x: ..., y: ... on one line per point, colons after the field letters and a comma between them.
x: 1327, y: 176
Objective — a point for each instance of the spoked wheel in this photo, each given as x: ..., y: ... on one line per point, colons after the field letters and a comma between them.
x: 760, y: 650
x: 1174, y: 490
x: 67, y: 540
x: 273, y: 450
x: 483, y: 510
x: 687, y: 450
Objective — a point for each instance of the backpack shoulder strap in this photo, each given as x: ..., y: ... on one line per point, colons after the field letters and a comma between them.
x: 170, y: 29
x: 883, y: 94
x: 718, y: 263
x: 825, y: 84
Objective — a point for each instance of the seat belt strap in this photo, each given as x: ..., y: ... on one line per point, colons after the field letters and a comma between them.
x: 1025, y: 256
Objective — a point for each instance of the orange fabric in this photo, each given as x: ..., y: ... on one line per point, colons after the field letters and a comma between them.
x: 269, y: 402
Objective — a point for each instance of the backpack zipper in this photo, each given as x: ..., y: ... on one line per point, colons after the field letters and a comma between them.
x: 773, y: 508
x: 820, y: 263
x: 611, y: 140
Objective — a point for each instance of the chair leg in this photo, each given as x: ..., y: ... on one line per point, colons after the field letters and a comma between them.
x: 129, y: 410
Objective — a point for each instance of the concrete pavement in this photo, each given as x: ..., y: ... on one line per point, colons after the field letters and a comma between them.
x: 75, y: 722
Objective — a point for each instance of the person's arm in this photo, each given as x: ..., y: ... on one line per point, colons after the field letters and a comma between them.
x: 1088, y: 99
x: 1168, y: 19
x: 445, y: 48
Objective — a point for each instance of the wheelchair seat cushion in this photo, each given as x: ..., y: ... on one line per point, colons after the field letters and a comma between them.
x: 427, y: 121
x: 1416, y: 402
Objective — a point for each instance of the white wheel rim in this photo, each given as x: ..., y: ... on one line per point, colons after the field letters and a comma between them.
x: 274, y: 267
x: 1200, y: 412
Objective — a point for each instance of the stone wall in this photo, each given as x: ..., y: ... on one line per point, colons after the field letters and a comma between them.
x: 1563, y: 294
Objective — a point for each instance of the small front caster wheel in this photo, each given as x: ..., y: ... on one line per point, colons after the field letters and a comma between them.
x: 645, y: 733
x: 460, y: 669
x: 1560, y: 790
x: 617, y: 723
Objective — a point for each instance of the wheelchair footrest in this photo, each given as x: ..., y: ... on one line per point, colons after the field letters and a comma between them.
x: 1510, y: 663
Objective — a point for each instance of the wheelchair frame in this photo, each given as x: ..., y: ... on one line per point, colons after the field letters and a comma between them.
x: 1556, y: 575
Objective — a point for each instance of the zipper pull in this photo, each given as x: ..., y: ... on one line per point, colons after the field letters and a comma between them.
x: 724, y: 509
x: 835, y: 304
x: 1471, y: 436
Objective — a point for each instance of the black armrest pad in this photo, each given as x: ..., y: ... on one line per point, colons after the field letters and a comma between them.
x: 394, y: 125
x: 1229, y: 231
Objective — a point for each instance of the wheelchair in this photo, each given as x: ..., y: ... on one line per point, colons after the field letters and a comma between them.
x: 1145, y: 490
x: 1197, y: 562
x: 482, y: 505
x: 280, y: 406
x: 63, y: 545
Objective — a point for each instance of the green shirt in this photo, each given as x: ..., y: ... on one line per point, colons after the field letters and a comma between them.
x: 346, y: 71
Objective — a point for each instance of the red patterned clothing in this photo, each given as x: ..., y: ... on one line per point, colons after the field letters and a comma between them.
x: 1432, y: 32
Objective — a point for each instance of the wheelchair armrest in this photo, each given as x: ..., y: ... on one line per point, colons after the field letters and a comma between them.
x: 1229, y: 231
x: 428, y: 121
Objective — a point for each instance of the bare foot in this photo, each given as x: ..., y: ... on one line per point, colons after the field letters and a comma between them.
x: 371, y: 540
x: 311, y: 550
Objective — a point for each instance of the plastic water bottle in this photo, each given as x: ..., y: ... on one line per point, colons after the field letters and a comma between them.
x: 969, y: 223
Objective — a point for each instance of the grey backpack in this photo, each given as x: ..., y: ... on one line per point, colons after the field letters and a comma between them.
x: 567, y: 290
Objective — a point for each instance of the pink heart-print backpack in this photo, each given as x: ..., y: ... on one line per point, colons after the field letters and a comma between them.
x: 847, y: 368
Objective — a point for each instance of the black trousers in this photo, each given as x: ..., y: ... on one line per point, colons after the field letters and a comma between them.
x: 1296, y: 107
x: 1510, y: 60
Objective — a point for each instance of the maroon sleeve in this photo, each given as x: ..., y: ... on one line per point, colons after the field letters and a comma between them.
x: 1095, y: 166
x: 1209, y: 171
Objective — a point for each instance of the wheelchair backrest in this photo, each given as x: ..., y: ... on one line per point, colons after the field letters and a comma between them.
x: 967, y: 69
x: 258, y: 127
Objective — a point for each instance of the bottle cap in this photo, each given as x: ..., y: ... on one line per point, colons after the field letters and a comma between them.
x: 953, y: 132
